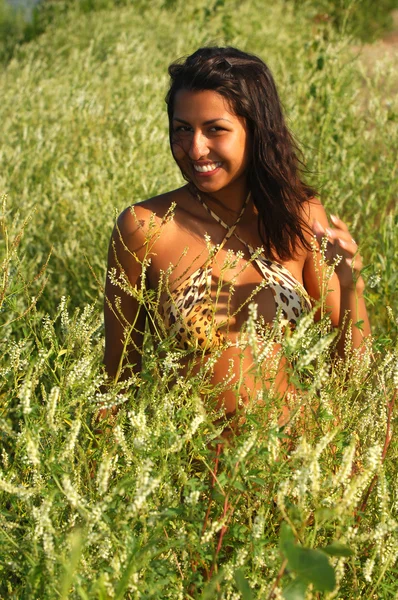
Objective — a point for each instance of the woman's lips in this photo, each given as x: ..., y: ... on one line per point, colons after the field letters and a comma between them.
x: 207, y: 169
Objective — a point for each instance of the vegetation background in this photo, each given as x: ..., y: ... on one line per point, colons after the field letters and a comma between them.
x: 136, y: 512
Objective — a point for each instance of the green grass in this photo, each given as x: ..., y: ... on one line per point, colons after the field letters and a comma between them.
x: 84, y: 134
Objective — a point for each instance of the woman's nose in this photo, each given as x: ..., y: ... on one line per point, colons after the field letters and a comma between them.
x: 198, y: 148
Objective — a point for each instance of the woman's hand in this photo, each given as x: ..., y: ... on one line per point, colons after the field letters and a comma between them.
x: 341, y: 243
x: 342, y: 291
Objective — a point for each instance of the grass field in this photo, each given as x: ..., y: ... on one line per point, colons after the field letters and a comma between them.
x: 132, y: 513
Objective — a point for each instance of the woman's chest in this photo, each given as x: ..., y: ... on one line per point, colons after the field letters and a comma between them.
x: 197, y: 275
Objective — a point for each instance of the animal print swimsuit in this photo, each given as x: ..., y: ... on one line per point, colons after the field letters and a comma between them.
x: 188, y: 312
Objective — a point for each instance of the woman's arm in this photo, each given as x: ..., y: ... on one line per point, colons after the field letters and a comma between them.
x: 124, y: 314
x: 344, y: 289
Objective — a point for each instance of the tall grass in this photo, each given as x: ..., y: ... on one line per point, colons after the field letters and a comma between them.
x: 138, y: 510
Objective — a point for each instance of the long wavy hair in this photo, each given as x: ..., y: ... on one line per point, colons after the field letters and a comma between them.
x: 276, y: 165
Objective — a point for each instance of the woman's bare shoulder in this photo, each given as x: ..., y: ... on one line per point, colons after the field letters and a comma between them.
x: 313, y: 210
x: 146, y: 216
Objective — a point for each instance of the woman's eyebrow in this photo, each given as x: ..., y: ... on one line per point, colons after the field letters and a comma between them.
x: 205, y: 123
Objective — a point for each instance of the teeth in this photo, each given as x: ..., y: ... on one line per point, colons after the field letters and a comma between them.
x: 207, y: 168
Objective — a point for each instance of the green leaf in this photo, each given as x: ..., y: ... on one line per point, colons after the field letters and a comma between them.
x: 75, y: 540
x: 286, y: 539
x: 242, y: 585
x: 210, y: 590
x: 238, y: 531
x: 239, y: 485
x: 320, y: 62
x: 83, y: 595
x: 295, y: 590
x: 359, y: 325
x: 312, y: 566
x: 325, y: 514
x: 139, y: 558
x: 258, y: 480
x: 337, y: 549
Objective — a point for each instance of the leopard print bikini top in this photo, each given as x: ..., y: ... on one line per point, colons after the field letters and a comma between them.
x: 188, y: 312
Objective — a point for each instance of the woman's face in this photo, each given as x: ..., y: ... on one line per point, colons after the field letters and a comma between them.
x: 209, y: 141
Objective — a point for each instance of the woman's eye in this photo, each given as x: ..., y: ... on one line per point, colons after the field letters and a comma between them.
x: 182, y: 129
x: 188, y: 129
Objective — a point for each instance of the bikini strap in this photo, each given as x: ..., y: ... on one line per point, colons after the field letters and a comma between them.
x: 230, y: 230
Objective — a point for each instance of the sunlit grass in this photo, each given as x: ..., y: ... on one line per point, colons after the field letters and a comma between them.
x: 133, y: 512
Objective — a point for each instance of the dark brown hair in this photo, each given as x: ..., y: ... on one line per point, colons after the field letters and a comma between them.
x: 275, y: 166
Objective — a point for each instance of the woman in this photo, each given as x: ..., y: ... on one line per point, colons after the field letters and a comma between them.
x: 197, y: 246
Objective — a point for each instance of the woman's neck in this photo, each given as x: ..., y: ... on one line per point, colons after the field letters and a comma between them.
x: 226, y: 202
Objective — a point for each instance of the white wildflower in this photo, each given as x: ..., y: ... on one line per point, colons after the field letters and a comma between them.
x: 208, y: 241
x: 343, y: 474
x: 103, y: 474
x: 266, y: 350
x: 133, y: 584
x: 15, y: 490
x: 214, y: 528
x: 121, y: 441
x: 274, y: 442
x: 241, y: 556
x: 368, y: 569
x: 71, y: 441
x: 5, y: 459
x: 258, y: 525
x: 283, y: 492
x: 391, y: 315
x: 95, y: 515
x: 44, y: 528
x: 374, y: 457
x: 277, y: 594
x: 300, y: 333
x: 303, y: 450
x: 137, y: 420
x: 47, y: 329
x: 316, y: 350
x: 245, y: 448
x: 324, y: 442
x: 52, y: 405
x: 110, y: 590
x: 171, y: 361
x: 229, y: 572
x: 25, y: 395
x: 14, y: 352
x: 193, y: 427
x: 105, y: 548
x: 315, y: 477
x: 192, y: 498
x: 339, y: 570
x: 145, y: 486
x: 71, y: 493
x: 253, y: 308
x: 79, y: 371
x: 374, y: 280
x: 300, y: 489
x: 63, y: 311
x: 395, y: 374
x: 354, y: 490
x: 32, y: 452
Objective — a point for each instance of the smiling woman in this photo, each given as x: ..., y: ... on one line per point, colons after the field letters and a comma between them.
x: 242, y: 231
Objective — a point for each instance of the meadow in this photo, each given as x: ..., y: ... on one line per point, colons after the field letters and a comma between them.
x: 138, y: 510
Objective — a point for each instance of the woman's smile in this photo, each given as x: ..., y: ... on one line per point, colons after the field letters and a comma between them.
x: 207, y: 168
